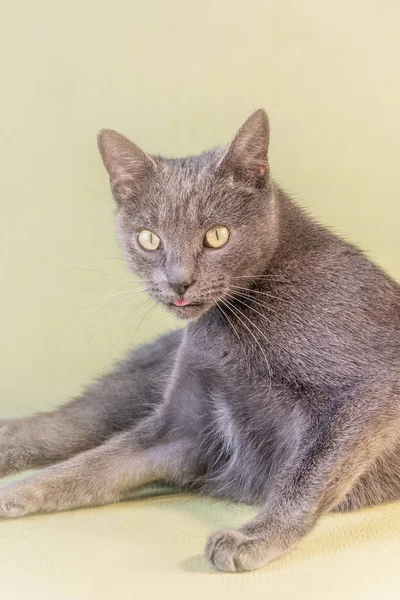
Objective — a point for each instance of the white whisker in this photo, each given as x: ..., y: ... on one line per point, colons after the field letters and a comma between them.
x: 272, y: 277
x: 237, y: 295
x: 135, y: 290
x: 93, y: 287
x: 128, y: 294
x: 237, y: 335
x: 237, y: 311
x: 237, y: 287
x: 120, y: 309
x: 115, y: 343
x: 134, y: 333
x: 265, y: 305
x: 95, y: 271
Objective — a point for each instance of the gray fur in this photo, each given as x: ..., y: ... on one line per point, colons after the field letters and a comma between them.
x: 284, y: 388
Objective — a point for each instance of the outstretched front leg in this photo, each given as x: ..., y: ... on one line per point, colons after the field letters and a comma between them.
x: 363, y: 428
x: 99, y: 476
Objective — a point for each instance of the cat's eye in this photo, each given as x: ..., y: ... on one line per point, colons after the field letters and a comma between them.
x: 149, y: 240
x: 216, y: 237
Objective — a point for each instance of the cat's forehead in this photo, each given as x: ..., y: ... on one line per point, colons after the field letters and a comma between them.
x: 184, y: 190
x: 191, y: 174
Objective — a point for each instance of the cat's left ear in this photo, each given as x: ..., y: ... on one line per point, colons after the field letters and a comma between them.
x: 247, y: 154
x: 128, y: 166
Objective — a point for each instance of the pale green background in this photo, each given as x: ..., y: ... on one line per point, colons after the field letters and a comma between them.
x: 177, y: 77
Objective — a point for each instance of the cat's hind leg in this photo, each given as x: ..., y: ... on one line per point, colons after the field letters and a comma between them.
x: 379, y: 485
x: 99, y: 476
x: 112, y: 404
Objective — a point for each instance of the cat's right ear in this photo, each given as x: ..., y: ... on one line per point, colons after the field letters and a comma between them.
x: 127, y: 165
x: 247, y: 155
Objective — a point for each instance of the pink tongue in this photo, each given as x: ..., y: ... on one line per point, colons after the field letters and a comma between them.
x: 181, y: 302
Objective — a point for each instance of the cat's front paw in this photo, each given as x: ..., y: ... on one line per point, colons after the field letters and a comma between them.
x: 17, y: 501
x: 234, y: 551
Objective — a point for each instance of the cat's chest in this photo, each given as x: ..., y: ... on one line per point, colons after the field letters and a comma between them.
x: 210, y: 344
x: 208, y: 376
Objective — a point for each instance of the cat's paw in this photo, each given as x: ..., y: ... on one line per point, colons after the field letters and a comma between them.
x: 17, y: 501
x: 234, y: 551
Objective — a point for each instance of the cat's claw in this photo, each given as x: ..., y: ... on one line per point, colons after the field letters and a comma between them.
x: 234, y: 551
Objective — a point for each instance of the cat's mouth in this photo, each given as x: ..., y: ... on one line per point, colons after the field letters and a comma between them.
x: 186, y: 304
x: 187, y: 309
x: 182, y: 302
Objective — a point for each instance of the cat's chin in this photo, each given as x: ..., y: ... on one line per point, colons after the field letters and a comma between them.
x: 190, y: 312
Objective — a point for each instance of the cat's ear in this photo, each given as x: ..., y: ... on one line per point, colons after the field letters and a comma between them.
x: 127, y: 165
x: 247, y: 155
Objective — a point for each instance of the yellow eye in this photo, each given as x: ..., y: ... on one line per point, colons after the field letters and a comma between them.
x: 149, y: 240
x: 216, y: 237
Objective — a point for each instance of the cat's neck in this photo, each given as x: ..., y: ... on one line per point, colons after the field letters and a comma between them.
x: 297, y: 233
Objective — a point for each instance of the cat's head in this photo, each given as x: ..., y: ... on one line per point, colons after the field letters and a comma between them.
x: 197, y: 228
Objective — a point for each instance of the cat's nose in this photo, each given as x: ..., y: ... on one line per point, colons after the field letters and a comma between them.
x: 180, y: 287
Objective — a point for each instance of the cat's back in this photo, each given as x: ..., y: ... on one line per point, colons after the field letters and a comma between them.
x: 322, y: 266
x: 338, y: 308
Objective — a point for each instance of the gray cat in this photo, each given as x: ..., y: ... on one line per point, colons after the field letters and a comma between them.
x: 282, y: 391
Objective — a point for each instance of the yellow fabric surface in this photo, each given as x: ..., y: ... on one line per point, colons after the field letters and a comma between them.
x: 152, y: 548
x: 177, y: 77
